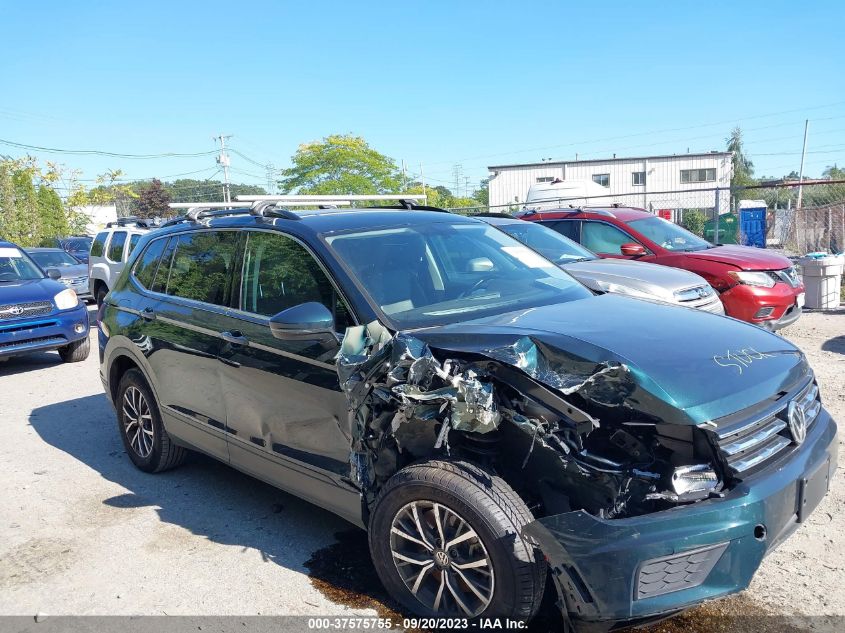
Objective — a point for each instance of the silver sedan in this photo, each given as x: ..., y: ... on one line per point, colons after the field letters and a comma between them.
x: 74, y: 274
x: 619, y: 276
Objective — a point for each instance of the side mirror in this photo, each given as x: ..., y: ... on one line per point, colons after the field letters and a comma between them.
x: 632, y: 249
x: 307, y: 320
x: 53, y: 273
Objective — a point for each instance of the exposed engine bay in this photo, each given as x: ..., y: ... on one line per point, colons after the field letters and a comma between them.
x: 565, y: 433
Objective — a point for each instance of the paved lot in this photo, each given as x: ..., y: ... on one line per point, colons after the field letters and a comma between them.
x: 83, y: 532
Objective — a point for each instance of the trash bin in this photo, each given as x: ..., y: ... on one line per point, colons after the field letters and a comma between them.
x: 822, y: 279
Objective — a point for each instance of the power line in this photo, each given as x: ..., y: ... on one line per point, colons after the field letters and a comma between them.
x: 95, y: 152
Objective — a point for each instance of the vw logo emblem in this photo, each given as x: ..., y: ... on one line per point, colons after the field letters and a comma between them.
x: 702, y: 292
x: 441, y: 558
x: 797, y: 420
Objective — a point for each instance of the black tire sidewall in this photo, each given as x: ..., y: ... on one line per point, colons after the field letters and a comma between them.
x: 492, y: 536
x: 134, y: 378
x: 101, y: 295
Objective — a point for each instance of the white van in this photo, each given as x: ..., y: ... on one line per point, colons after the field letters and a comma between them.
x: 563, y: 193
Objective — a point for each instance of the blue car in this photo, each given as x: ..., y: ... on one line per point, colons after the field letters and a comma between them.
x: 37, y: 313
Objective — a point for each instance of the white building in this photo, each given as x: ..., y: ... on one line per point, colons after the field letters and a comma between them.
x: 98, y: 216
x: 666, y: 184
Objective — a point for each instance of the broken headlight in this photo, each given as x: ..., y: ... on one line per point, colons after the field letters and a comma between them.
x: 690, y: 483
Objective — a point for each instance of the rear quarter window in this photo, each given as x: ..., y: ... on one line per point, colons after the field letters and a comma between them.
x: 99, y: 244
x: 133, y: 241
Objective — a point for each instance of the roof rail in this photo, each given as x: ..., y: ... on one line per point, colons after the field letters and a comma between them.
x: 139, y: 222
x: 331, y: 199
x: 504, y: 216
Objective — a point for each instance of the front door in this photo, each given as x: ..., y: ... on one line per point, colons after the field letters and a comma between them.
x: 285, y: 410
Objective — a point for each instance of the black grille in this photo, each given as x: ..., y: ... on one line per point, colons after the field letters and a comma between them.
x: 24, y: 310
x: 41, y: 340
x: 679, y: 571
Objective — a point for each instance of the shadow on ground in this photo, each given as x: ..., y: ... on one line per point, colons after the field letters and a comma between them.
x: 835, y: 344
x: 217, y: 502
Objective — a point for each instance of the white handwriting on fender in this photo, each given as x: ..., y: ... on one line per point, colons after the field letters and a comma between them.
x: 741, y: 358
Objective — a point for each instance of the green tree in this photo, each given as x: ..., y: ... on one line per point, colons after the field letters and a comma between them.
x: 24, y: 228
x: 340, y: 164
x: 52, y: 220
x: 693, y: 221
x: 743, y: 168
x: 482, y: 194
x: 153, y: 200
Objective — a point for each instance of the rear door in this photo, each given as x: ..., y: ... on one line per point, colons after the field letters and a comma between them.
x: 189, y: 311
x: 286, y: 413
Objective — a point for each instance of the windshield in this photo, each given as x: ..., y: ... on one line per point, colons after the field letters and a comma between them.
x: 670, y: 236
x: 77, y: 244
x: 16, y: 266
x: 53, y: 259
x: 440, y: 273
x: 548, y: 242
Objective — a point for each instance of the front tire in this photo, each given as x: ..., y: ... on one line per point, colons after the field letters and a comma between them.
x: 146, y: 441
x: 102, y: 291
x: 445, y: 540
x: 76, y: 352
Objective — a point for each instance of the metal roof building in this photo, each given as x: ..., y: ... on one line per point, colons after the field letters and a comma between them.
x: 659, y: 183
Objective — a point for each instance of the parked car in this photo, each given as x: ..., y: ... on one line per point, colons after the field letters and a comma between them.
x: 754, y: 285
x: 37, y: 313
x: 109, y: 252
x: 631, y: 278
x: 74, y: 274
x: 78, y: 246
x: 561, y: 193
x: 489, y: 420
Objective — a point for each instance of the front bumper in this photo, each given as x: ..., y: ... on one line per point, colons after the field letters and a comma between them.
x: 43, y: 333
x: 745, y: 303
x: 604, y: 569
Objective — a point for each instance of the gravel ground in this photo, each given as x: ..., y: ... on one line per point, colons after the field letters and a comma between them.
x: 83, y: 532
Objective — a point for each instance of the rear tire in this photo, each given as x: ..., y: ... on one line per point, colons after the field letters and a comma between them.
x: 139, y: 422
x: 452, y: 499
x: 76, y: 351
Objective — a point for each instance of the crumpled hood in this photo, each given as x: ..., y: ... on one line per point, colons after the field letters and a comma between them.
x: 29, y: 291
x: 743, y: 257
x: 651, y: 278
x: 682, y: 366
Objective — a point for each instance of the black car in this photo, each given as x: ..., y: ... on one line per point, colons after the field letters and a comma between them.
x: 488, y: 419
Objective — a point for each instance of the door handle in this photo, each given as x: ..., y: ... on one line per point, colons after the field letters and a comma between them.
x: 235, y: 337
x: 148, y: 314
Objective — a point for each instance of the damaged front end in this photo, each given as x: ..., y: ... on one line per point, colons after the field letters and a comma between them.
x: 521, y: 409
x: 636, y: 508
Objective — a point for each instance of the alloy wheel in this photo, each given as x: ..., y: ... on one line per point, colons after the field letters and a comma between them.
x: 441, y: 559
x: 138, y: 422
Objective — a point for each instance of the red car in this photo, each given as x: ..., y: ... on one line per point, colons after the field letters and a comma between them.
x: 754, y: 285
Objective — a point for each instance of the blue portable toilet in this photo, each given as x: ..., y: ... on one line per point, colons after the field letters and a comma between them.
x: 752, y: 223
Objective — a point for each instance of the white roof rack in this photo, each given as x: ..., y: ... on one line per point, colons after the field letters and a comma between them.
x: 332, y: 199
x: 241, y: 205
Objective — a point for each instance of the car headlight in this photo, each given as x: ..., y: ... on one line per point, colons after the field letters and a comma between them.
x: 66, y: 299
x: 606, y: 286
x: 695, y: 480
x: 752, y: 278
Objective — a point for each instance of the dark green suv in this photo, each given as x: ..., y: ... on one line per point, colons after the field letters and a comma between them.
x: 489, y: 420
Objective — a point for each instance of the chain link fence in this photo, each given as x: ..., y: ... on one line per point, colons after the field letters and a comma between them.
x: 793, y: 218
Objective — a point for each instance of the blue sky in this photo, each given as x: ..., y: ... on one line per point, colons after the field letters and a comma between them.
x: 433, y: 83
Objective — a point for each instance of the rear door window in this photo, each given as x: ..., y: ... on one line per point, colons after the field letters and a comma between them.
x: 99, y: 244
x: 202, y: 266
x: 115, y: 250
x: 569, y: 228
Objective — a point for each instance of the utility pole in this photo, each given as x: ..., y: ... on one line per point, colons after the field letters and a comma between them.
x: 271, y: 178
x: 457, y: 171
x: 404, y: 176
x: 422, y: 178
x: 801, y: 172
x: 223, y: 161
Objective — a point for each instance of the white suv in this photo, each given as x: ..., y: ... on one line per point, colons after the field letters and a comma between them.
x: 110, y: 251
